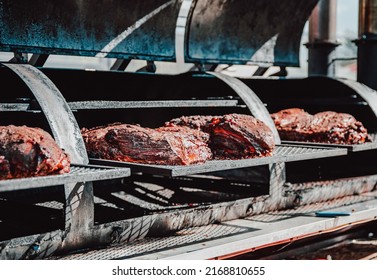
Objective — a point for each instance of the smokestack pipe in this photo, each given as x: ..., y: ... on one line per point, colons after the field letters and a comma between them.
x: 367, y: 43
x: 322, y: 39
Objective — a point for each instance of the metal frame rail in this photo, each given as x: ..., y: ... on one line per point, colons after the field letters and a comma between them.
x: 241, y: 236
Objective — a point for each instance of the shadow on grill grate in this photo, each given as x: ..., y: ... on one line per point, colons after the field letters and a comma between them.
x: 24, y: 213
x: 140, y: 195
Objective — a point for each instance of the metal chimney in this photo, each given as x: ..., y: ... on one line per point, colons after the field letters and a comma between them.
x: 322, y: 39
x: 367, y: 43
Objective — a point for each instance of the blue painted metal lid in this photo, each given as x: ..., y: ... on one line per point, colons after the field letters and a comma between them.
x: 215, y: 31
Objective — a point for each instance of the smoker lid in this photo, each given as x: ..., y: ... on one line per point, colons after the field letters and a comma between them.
x: 241, y: 31
x: 118, y: 28
x: 216, y: 31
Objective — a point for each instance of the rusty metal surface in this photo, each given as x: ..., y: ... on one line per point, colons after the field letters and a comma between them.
x: 240, y: 31
x: 122, y: 29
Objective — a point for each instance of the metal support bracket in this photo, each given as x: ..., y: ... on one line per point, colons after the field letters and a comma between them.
x: 19, y: 57
x: 252, y: 101
x: 180, y: 30
x: 79, y: 204
x: 59, y: 116
x: 38, y: 60
x: 367, y: 93
x: 259, y: 111
x: 120, y: 64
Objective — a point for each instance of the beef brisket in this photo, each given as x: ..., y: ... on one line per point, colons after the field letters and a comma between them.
x: 132, y: 143
x: 232, y: 136
x: 28, y: 152
x: 195, y: 122
x: 324, y: 127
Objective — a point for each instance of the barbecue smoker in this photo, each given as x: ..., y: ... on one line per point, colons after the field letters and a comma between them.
x: 135, y: 210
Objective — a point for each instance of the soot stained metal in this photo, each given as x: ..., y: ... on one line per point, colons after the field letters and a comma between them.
x: 230, y: 31
x: 215, y: 31
x: 85, y: 28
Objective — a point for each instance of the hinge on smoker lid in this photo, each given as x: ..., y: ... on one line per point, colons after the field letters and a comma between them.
x: 21, y: 58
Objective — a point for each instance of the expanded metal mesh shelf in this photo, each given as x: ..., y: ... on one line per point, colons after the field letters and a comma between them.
x: 104, y: 104
x: 78, y: 173
x: 351, y: 148
x: 14, y: 107
x: 282, y: 153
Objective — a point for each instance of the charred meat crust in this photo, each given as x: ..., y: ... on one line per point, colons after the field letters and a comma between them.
x: 132, y: 143
x: 325, y: 127
x: 232, y: 136
x: 28, y: 152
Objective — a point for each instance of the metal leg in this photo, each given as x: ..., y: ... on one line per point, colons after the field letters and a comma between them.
x: 150, y: 67
x: 79, y: 215
x: 260, y: 71
x: 38, y: 60
x: 120, y: 64
x: 19, y: 58
x: 277, y: 180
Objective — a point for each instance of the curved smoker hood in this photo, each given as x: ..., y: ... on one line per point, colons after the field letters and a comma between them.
x: 214, y: 31
x: 241, y: 31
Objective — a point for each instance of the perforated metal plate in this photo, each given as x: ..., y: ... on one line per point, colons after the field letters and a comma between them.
x: 78, y: 173
x: 283, y: 153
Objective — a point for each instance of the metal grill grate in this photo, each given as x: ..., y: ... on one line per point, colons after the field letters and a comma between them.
x: 288, y: 153
x: 139, y: 247
x: 51, y: 204
x: 78, y: 173
x: 353, y: 148
x: 283, y: 153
